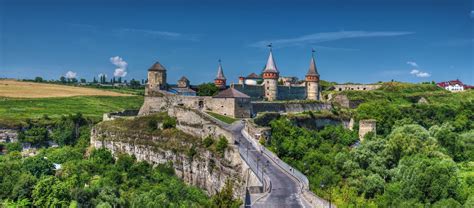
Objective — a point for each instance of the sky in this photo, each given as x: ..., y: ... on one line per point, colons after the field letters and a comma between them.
x: 361, y: 41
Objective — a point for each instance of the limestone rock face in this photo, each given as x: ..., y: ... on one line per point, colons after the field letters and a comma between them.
x: 205, y: 169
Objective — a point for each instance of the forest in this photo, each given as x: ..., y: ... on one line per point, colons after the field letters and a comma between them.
x: 422, y: 155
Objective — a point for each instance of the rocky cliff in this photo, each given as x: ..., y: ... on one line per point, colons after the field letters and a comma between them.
x: 194, y: 163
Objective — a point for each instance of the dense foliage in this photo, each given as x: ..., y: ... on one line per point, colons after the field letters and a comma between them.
x: 207, y: 89
x: 411, y: 167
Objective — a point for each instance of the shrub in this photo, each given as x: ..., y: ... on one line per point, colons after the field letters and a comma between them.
x: 14, y: 146
x: 152, y: 124
x: 169, y: 123
x: 222, y: 145
x: 208, y: 141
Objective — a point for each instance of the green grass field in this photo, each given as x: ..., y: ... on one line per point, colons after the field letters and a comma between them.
x: 14, y: 111
x: 225, y: 119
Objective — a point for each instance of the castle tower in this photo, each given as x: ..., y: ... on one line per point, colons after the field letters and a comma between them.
x: 156, y: 78
x: 312, y: 80
x: 270, y: 78
x: 220, y: 80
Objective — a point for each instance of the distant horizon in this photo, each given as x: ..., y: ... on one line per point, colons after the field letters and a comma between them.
x: 355, y: 41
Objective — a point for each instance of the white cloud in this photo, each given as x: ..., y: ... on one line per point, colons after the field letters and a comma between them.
x: 414, y: 71
x: 423, y: 74
x: 325, y: 37
x: 121, y: 70
x: 70, y: 74
x: 419, y: 73
x: 412, y: 63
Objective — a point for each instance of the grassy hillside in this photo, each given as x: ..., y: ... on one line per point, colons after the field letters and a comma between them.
x: 14, y: 111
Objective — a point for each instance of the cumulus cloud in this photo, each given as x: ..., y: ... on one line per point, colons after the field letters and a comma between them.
x: 412, y: 63
x: 121, y: 70
x: 417, y: 71
x: 70, y: 74
x: 327, y: 36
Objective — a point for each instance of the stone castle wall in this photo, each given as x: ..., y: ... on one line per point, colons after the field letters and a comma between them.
x: 366, y: 126
x: 234, y: 107
x: 257, y: 92
x: 289, y: 107
x: 291, y: 92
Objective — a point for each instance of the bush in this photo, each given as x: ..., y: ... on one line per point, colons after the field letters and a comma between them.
x: 152, y: 124
x: 14, y: 146
x: 169, y: 123
x: 208, y: 141
x: 222, y: 145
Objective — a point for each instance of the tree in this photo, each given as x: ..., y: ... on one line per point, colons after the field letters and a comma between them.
x: 24, y: 186
x: 38, y: 166
x: 39, y: 79
x: 51, y: 192
x: 14, y: 146
x: 207, y: 89
x: 83, y: 80
x: 426, y: 179
x: 63, y: 79
x: 225, y: 197
x: 35, y: 135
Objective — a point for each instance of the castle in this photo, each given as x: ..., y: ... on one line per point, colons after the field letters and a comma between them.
x: 237, y: 100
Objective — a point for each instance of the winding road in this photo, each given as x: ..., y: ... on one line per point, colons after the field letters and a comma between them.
x: 285, y: 190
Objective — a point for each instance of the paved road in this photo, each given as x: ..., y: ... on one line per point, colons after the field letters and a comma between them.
x: 285, y: 190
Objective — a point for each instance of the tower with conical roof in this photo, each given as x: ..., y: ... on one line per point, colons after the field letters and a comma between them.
x: 270, y: 78
x: 156, y: 78
x: 312, y: 80
x: 220, y: 80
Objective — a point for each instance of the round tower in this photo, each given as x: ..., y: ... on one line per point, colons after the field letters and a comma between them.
x: 312, y: 80
x: 270, y: 78
x: 220, y: 80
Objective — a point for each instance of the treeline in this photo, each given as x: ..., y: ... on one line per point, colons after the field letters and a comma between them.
x: 101, y: 80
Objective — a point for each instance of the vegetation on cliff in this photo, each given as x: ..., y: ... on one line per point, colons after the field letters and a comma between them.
x: 422, y: 155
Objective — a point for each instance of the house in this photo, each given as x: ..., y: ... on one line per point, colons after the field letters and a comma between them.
x: 454, y: 85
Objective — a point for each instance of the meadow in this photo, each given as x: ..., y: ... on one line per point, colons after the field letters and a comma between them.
x: 20, y: 101
x: 19, y: 89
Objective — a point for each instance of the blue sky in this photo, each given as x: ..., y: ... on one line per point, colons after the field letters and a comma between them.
x: 355, y: 41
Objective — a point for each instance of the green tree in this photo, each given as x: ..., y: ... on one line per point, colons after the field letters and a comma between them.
x: 207, y: 89
x: 225, y: 197
x: 38, y: 166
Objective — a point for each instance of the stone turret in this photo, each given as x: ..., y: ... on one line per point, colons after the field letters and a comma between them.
x: 270, y: 78
x: 312, y: 81
x: 156, y: 78
x: 220, y: 80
